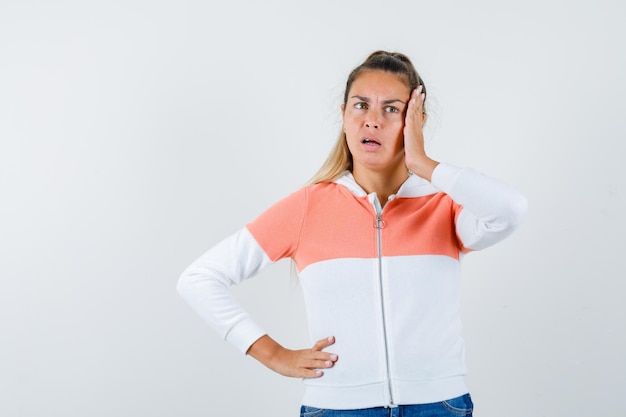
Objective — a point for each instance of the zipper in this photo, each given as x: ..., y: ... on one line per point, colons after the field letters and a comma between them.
x: 380, y: 224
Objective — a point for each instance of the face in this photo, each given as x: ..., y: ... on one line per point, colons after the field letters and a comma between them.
x: 373, y: 120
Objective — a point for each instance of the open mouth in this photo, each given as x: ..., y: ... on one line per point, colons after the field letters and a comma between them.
x: 367, y: 141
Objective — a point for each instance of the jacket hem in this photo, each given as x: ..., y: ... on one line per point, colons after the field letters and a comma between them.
x: 375, y: 395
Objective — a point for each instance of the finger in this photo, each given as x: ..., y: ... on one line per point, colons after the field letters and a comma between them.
x: 417, y: 93
x: 317, y: 363
x: 415, y: 107
x: 413, y: 99
x: 323, y: 356
x: 311, y: 373
x: 323, y: 343
x: 314, y: 369
x: 419, y: 99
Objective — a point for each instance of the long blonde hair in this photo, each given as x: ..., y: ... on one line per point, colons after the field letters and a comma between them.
x: 340, y: 159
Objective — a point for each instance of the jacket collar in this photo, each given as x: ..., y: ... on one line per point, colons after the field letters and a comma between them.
x: 414, y: 186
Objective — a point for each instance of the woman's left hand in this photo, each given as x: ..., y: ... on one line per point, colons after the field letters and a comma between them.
x: 415, y: 156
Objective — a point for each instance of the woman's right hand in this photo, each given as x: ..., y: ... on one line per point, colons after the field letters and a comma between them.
x: 304, y: 363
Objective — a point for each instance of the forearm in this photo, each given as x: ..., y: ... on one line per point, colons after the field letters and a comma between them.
x: 265, y: 350
x: 492, y: 210
x: 204, y: 285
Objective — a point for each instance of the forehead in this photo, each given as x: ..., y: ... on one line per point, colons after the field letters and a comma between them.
x: 379, y: 83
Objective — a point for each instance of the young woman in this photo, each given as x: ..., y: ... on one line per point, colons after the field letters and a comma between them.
x: 377, y: 240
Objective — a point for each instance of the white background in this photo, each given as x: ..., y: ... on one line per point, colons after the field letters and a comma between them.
x: 136, y: 134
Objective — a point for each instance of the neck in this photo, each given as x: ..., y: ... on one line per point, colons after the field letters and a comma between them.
x: 383, y: 183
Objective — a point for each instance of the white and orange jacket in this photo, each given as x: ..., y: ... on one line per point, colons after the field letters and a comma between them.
x: 385, y: 282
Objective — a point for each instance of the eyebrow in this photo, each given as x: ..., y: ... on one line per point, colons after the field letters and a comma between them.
x: 367, y: 100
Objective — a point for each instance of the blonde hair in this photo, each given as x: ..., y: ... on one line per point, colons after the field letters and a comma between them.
x: 340, y: 159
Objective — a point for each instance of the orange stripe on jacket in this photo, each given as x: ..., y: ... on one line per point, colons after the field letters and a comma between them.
x: 326, y: 221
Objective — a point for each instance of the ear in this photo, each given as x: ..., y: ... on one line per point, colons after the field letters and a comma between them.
x: 423, y: 118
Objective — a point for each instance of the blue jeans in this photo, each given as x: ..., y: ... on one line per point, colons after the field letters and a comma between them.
x: 456, y: 407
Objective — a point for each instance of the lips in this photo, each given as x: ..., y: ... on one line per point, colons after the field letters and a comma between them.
x: 368, y: 141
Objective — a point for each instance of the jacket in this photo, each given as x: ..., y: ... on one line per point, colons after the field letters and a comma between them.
x: 384, y: 281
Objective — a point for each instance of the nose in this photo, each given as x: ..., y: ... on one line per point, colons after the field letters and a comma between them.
x: 372, y: 120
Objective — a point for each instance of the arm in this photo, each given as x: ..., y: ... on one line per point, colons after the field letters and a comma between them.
x: 204, y: 285
x: 415, y: 157
x: 491, y: 210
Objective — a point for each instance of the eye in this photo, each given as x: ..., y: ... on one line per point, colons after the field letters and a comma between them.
x: 391, y: 109
x: 360, y: 105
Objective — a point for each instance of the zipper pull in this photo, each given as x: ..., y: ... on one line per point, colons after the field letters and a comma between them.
x: 379, y: 223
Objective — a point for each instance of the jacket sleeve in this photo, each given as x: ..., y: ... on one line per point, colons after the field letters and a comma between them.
x: 490, y: 209
x: 205, y: 283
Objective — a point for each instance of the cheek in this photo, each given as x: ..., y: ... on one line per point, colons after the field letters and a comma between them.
x: 397, y: 126
x: 350, y: 119
x: 350, y: 140
x: 399, y: 133
x: 350, y: 127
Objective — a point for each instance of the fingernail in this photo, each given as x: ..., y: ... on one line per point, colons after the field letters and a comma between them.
x: 329, y: 363
x: 333, y: 357
x: 419, y: 89
x: 319, y: 373
x: 423, y: 96
x: 330, y: 338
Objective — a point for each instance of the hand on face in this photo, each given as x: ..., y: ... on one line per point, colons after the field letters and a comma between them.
x: 415, y: 156
x: 413, y: 124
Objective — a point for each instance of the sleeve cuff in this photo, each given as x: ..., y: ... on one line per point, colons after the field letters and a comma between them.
x: 244, y: 334
x: 444, y: 176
